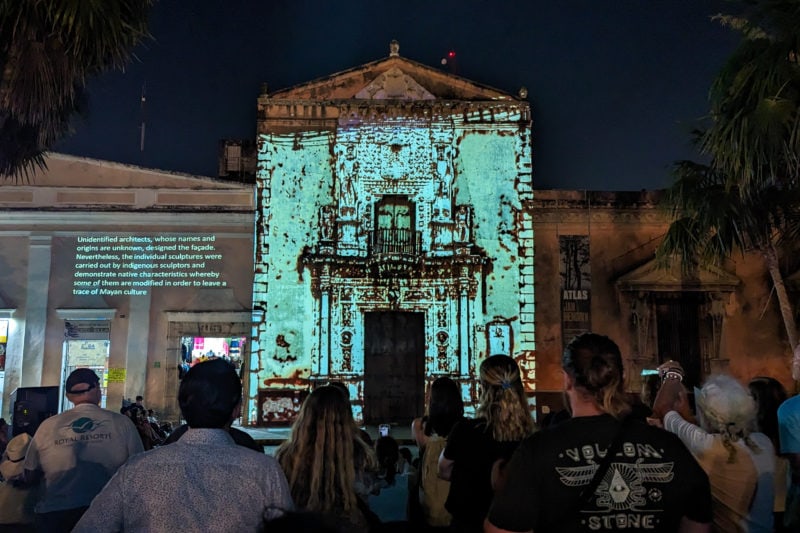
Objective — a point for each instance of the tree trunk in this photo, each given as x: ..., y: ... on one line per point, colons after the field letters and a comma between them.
x: 771, y: 257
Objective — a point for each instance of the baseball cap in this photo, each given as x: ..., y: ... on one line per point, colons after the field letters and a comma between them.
x: 81, y: 376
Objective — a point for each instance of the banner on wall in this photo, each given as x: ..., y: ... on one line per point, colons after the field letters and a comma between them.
x: 576, y: 285
x: 91, y: 353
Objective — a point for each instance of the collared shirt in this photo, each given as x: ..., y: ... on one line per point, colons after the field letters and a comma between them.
x: 203, y: 482
x: 78, y: 451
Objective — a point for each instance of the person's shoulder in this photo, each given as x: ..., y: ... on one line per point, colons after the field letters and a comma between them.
x: 762, y: 441
x: 469, y: 424
x: 256, y: 460
x: 790, y: 407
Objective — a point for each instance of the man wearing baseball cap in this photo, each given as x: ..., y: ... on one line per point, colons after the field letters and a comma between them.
x: 77, y: 452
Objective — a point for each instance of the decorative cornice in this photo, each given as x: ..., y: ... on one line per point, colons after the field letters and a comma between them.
x: 126, y: 218
x: 210, y: 316
x: 86, y: 314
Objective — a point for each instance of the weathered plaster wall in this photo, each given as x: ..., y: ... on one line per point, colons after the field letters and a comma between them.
x: 464, y: 172
x: 487, y: 180
x: 295, y: 177
x: 623, y: 237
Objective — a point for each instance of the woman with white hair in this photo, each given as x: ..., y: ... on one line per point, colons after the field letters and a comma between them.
x: 740, y: 463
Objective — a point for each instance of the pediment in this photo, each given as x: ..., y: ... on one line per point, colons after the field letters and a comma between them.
x: 652, y: 277
x: 385, y: 78
x: 65, y: 170
x: 394, y: 84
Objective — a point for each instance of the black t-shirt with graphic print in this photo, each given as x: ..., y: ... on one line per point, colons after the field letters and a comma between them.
x: 649, y: 486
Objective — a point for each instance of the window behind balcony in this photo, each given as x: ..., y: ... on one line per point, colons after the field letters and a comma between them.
x: 394, y: 229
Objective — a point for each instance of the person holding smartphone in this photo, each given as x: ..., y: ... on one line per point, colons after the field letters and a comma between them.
x: 740, y: 463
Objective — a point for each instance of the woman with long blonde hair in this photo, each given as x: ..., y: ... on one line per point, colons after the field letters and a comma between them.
x: 325, y: 460
x: 473, y: 446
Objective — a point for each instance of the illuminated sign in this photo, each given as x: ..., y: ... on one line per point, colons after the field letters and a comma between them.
x: 130, y: 265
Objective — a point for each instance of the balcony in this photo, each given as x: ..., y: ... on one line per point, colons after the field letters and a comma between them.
x: 394, y: 253
x: 394, y: 241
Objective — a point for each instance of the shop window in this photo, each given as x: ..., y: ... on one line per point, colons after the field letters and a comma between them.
x: 87, y: 345
x: 198, y: 349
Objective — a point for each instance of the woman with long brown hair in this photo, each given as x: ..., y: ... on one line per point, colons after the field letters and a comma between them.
x: 473, y: 446
x: 325, y: 460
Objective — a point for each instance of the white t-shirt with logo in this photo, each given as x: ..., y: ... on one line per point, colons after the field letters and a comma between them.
x: 78, y: 451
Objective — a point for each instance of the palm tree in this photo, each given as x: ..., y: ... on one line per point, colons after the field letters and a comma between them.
x: 713, y: 219
x: 748, y: 196
x: 754, y: 129
x: 48, y: 51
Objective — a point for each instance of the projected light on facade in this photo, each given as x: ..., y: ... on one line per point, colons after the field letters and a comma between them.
x: 390, y: 244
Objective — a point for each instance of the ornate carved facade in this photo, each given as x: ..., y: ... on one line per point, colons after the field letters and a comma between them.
x: 391, y: 189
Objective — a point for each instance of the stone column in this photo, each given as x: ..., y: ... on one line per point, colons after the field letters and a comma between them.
x: 463, y: 325
x: 324, y: 368
x: 136, y: 348
x: 39, y: 257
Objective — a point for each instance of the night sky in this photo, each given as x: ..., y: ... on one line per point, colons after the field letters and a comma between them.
x: 615, y: 85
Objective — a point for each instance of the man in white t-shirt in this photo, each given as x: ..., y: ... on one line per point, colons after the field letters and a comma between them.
x: 77, y: 452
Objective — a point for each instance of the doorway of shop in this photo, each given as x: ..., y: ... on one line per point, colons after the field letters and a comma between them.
x: 198, y: 349
x: 394, y: 367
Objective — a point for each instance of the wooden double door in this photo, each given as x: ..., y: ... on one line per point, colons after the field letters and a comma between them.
x: 394, y: 367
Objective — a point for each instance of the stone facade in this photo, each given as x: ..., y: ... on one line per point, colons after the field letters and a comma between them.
x: 716, y: 319
x: 391, y: 187
x: 66, y: 271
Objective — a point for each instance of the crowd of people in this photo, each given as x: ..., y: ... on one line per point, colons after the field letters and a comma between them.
x: 723, y: 457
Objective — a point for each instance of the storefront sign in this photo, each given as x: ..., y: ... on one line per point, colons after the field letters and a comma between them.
x: 88, y: 329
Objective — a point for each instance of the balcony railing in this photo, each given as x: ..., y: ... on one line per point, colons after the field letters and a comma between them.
x: 395, y: 241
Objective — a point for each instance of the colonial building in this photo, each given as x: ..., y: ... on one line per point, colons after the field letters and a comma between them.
x: 388, y: 240
x: 596, y: 270
x: 125, y: 270
x: 391, y: 244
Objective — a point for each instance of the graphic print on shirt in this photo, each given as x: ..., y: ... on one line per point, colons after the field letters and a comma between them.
x: 82, y: 429
x: 621, y: 499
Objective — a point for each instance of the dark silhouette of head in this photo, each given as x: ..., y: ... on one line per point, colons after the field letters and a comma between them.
x: 446, y: 407
x: 594, y: 362
x: 209, y: 393
x: 341, y: 387
x: 388, y: 452
x: 769, y: 394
